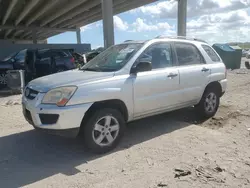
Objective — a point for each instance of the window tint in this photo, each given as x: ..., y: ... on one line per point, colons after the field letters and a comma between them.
x: 44, y: 54
x: 188, y: 54
x: 159, y: 55
x: 210, y: 52
x: 59, y: 54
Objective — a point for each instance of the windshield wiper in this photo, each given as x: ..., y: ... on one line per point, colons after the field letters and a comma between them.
x: 90, y: 69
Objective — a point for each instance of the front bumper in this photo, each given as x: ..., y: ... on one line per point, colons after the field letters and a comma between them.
x: 69, y: 117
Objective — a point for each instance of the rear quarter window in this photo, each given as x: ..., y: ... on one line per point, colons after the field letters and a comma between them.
x: 188, y: 54
x: 211, y: 53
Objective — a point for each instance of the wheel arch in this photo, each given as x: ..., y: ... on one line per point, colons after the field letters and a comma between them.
x: 113, y: 103
x: 215, y: 85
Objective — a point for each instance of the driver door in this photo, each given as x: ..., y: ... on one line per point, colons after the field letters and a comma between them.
x: 157, y: 90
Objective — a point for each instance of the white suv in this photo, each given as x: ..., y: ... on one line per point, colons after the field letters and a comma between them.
x: 124, y: 83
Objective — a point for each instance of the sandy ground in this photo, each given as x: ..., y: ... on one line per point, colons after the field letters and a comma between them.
x: 169, y: 150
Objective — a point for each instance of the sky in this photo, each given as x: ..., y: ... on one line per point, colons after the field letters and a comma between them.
x: 216, y: 21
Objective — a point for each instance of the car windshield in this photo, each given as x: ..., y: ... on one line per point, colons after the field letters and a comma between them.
x: 112, y: 59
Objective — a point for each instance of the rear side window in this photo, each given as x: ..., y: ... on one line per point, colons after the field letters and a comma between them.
x: 44, y: 54
x: 188, y: 54
x: 210, y: 52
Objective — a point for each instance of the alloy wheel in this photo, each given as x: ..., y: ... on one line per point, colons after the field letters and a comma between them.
x: 105, y: 130
x: 210, y: 102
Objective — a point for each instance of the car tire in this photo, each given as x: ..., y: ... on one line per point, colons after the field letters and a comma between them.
x: 209, y: 103
x: 247, y: 64
x: 104, y: 130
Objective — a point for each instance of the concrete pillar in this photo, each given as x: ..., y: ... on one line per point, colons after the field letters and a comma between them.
x: 182, y: 17
x: 108, y: 23
x: 34, y: 36
x: 78, y: 36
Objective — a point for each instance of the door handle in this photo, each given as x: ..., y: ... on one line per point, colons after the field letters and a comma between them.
x: 205, y: 70
x: 172, y: 75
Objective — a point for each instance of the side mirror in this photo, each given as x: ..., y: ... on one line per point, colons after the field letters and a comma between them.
x: 142, y: 66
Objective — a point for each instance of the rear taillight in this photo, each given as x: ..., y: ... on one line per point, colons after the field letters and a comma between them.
x: 72, y: 60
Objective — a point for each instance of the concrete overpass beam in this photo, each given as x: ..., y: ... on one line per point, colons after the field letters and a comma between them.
x: 7, y: 33
x: 26, y: 10
x: 70, y: 5
x: 41, y: 11
x: 108, y: 23
x: 9, y: 10
x: 182, y: 17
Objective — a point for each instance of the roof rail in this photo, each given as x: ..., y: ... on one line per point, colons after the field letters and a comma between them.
x: 180, y: 37
x: 128, y: 40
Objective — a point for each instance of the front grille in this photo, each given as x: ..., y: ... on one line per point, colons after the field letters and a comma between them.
x: 48, y: 119
x: 30, y: 93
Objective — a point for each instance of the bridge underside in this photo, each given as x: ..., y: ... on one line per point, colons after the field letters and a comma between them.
x: 40, y: 19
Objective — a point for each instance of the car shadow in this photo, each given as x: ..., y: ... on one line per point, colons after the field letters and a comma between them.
x: 31, y: 156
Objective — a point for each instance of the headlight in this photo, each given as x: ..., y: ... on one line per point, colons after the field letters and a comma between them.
x: 59, y: 96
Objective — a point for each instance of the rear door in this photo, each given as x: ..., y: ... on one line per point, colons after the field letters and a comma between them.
x: 158, y: 89
x: 194, y: 72
x: 216, y: 65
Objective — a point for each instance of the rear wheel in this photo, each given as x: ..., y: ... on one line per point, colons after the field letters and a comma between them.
x: 209, y: 103
x: 103, y: 130
x: 247, y: 64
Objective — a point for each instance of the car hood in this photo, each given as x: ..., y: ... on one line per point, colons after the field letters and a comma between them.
x: 67, y: 78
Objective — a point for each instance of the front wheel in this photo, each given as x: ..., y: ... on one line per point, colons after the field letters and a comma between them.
x: 209, y: 103
x: 104, y: 130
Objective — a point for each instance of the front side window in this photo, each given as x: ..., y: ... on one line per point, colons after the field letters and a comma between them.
x: 160, y: 55
x: 210, y: 52
x: 112, y: 59
x: 187, y: 54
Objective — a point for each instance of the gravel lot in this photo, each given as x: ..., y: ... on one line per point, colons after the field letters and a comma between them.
x: 170, y: 150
